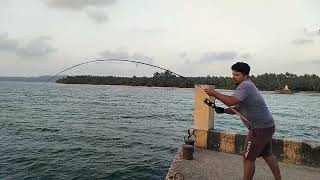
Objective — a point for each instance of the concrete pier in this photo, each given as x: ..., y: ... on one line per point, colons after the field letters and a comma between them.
x: 214, y: 165
x: 218, y: 153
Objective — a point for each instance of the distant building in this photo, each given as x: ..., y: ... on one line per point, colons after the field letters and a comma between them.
x: 285, y: 90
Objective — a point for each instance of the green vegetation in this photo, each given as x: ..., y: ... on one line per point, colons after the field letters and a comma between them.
x: 265, y: 82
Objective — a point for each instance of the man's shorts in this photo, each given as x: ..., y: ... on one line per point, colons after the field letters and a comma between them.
x: 258, y: 143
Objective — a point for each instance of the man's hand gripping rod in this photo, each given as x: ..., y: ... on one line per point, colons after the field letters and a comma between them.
x: 244, y: 120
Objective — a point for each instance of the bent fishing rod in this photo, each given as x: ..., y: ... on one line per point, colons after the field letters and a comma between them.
x: 206, y: 101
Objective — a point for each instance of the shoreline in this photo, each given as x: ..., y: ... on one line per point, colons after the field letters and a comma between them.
x: 296, y: 92
x: 123, y: 85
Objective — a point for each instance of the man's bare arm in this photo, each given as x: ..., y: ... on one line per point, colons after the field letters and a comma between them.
x: 227, y: 100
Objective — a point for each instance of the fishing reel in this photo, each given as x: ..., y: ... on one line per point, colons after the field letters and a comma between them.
x: 209, y: 103
x: 191, y: 135
x: 188, y: 146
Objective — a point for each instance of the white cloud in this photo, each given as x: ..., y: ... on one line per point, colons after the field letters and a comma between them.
x: 121, y: 54
x: 97, y: 16
x: 245, y: 56
x: 114, y: 55
x: 209, y: 57
x: 7, y: 44
x: 311, y: 32
x: 93, y: 8
x: 35, y: 47
x: 308, y: 37
x: 78, y: 4
x: 302, y: 41
x: 266, y: 33
x: 182, y: 55
x: 141, y: 57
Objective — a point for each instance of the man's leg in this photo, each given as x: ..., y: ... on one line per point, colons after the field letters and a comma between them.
x: 273, y: 164
x: 248, y: 169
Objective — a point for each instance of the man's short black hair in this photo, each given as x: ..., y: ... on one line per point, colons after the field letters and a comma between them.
x: 242, y: 67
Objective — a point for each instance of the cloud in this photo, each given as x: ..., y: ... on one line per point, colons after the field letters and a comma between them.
x: 302, y: 41
x: 308, y: 37
x: 141, y: 57
x: 126, y: 69
x: 209, y: 57
x: 7, y: 44
x: 34, y: 48
x: 245, y: 56
x: 78, y: 4
x: 90, y: 7
x: 97, y: 16
x: 182, y: 55
x: 114, y: 55
x: 125, y: 55
x: 312, y: 32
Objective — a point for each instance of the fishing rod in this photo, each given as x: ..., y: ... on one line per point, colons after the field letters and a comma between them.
x: 121, y: 60
x: 206, y: 101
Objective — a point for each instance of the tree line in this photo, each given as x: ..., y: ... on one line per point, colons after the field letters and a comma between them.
x: 264, y: 82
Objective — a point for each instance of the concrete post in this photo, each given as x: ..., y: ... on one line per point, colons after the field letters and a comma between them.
x: 203, y: 116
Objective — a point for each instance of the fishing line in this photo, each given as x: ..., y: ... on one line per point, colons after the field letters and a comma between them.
x: 121, y: 60
x: 245, y: 120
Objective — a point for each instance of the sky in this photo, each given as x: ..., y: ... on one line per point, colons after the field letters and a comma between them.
x: 188, y: 37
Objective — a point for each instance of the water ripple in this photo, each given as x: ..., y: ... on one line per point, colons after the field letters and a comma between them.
x: 115, y: 132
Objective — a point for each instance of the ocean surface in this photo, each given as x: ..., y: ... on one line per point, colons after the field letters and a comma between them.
x: 116, y: 132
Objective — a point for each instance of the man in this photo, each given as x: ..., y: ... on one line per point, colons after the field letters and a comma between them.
x: 249, y: 102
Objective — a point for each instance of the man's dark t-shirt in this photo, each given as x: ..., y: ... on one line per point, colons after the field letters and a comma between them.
x: 252, y: 105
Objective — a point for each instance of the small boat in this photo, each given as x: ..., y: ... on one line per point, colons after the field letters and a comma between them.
x: 285, y: 90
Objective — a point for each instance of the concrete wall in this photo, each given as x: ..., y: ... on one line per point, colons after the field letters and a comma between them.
x: 285, y: 150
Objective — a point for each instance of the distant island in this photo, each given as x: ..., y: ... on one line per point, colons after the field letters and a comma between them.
x: 264, y: 82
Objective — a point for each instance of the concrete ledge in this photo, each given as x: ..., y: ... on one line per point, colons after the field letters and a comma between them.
x: 202, y: 138
x: 214, y: 165
x: 176, y: 164
x: 310, y: 153
x: 285, y: 150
